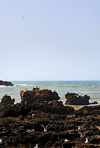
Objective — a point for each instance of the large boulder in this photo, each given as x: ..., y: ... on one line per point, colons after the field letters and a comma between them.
x: 5, y: 83
x: 30, y: 96
x: 75, y: 99
x: 7, y: 100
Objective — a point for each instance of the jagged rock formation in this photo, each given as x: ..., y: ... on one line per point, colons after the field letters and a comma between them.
x: 38, y: 94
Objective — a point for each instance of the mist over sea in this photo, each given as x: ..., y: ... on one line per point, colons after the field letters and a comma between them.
x: 91, y: 88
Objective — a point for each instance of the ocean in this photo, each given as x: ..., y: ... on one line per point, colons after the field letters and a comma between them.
x: 90, y: 88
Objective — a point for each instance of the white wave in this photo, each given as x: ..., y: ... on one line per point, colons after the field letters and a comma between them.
x: 20, y: 85
x: 3, y: 86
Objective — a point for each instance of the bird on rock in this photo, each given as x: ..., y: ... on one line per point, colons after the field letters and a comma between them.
x: 86, y: 141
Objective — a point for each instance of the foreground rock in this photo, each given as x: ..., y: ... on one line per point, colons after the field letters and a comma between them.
x: 51, y: 107
x: 26, y: 129
x: 48, y: 124
x: 88, y: 111
x: 6, y: 83
x: 75, y: 99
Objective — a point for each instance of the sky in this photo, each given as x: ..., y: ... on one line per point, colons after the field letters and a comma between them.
x: 49, y: 40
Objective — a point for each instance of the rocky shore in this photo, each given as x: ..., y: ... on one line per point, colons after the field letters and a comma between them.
x: 40, y: 120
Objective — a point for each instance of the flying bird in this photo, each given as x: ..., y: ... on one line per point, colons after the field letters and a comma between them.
x: 45, y: 127
x: 30, y: 131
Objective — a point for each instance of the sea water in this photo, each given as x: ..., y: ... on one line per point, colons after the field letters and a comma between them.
x: 90, y: 88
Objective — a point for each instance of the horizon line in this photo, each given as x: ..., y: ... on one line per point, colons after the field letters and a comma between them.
x: 53, y: 80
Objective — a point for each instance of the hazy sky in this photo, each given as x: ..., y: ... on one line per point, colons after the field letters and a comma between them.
x: 49, y: 40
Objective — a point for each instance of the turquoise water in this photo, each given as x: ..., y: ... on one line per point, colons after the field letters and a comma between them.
x: 91, y: 88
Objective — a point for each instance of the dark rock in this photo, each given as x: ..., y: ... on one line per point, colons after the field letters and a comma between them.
x: 62, y: 131
x: 95, y: 139
x: 23, y: 109
x: 45, y: 100
x: 5, y: 83
x: 75, y: 99
x: 38, y: 94
x: 7, y: 100
x: 21, y: 125
x: 18, y: 109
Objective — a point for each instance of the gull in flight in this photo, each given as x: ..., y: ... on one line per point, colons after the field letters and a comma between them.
x: 30, y: 131
x: 45, y: 128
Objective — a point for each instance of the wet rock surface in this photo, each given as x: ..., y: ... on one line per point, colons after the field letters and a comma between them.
x: 48, y: 124
x: 5, y: 83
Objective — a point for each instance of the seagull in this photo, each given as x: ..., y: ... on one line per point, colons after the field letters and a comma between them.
x: 5, y: 95
x: 73, y: 115
x: 79, y: 128
x: 26, y: 121
x: 25, y: 90
x: 33, y: 115
x: 86, y: 141
x: 45, y: 128
x: 81, y: 135
x: 98, y: 127
x: 36, y: 146
x: 30, y: 131
x: 25, y: 102
x: 0, y: 141
x: 66, y: 140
